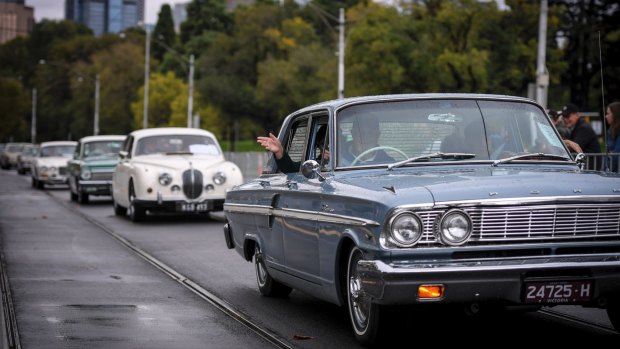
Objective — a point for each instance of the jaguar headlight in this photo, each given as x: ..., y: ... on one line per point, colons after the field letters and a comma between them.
x: 86, y: 174
x: 219, y: 178
x: 454, y: 228
x: 165, y: 179
x: 406, y: 229
x: 43, y: 169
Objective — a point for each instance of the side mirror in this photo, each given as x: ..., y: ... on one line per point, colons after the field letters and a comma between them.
x: 310, y: 170
x: 580, y: 159
x: 122, y: 154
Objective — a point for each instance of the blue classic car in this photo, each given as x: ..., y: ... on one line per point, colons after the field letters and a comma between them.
x: 462, y: 199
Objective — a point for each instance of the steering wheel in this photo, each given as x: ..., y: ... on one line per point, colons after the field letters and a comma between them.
x: 375, y: 149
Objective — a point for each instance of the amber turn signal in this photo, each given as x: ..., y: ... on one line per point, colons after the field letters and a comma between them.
x: 430, y: 291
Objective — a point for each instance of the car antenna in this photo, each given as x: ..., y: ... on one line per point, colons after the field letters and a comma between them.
x: 600, y: 57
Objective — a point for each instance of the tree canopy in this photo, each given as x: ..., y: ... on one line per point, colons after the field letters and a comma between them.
x: 258, y: 63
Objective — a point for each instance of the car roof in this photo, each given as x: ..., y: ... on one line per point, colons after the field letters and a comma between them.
x: 338, y: 103
x: 170, y: 131
x: 102, y: 138
x: 52, y: 143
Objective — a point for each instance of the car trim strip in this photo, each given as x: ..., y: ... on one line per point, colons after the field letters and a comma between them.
x: 265, y: 210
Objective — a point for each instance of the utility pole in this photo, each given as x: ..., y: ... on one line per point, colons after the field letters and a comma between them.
x: 341, y: 55
x: 147, y: 53
x: 190, y: 88
x: 33, y: 124
x: 542, y: 76
x: 96, y: 121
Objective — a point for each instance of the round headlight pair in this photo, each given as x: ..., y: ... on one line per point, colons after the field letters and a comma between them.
x: 165, y: 179
x: 454, y: 228
x: 219, y: 178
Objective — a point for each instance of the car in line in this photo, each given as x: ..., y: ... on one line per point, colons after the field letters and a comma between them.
x: 8, y: 157
x: 174, y: 170
x: 466, y: 200
x: 92, y: 166
x: 49, y: 167
x: 29, y: 152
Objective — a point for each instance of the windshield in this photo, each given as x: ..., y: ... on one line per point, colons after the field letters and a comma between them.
x: 170, y: 144
x: 385, y: 133
x: 108, y: 149
x: 65, y: 151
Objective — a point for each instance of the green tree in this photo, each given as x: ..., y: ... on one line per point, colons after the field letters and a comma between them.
x: 205, y: 15
x: 14, y: 108
x: 164, y: 35
x: 164, y: 89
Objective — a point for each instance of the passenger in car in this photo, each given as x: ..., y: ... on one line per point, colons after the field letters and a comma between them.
x: 365, y: 134
x: 283, y: 160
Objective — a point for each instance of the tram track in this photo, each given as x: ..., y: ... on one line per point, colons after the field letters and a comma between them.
x: 186, y: 282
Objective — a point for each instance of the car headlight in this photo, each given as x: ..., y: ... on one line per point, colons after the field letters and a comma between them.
x: 175, y: 189
x: 42, y: 169
x: 454, y: 228
x: 165, y: 179
x: 406, y: 229
x: 86, y: 174
x: 219, y: 178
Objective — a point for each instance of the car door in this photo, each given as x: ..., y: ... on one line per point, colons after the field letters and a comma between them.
x: 300, y: 202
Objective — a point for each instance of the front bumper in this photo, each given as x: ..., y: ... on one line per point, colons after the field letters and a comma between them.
x: 495, y: 280
x: 53, y: 179
x: 174, y: 206
x: 95, y: 187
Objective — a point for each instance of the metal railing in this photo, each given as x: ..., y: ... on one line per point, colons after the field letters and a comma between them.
x: 603, y: 162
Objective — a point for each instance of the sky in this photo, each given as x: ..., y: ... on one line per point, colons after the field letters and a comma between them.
x: 55, y: 9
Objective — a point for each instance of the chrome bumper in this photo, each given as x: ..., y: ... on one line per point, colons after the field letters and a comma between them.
x: 484, y: 280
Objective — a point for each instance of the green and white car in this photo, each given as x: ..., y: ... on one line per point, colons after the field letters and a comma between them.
x: 92, y: 166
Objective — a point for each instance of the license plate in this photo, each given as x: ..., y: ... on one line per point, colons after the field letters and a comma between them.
x: 558, y: 292
x: 192, y: 207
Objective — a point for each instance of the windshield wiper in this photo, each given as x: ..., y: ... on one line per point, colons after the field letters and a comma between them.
x: 438, y: 155
x: 530, y: 155
x: 179, y: 153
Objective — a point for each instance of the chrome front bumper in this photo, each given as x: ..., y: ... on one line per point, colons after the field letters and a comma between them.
x: 485, y: 280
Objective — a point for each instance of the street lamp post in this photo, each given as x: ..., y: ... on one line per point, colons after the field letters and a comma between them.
x: 147, y: 53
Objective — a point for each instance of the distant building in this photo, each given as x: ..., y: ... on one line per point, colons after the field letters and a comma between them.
x: 106, y: 16
x: 16, y: 19
x: 179, y: 15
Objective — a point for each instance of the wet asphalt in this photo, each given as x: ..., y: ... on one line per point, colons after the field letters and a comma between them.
x: 75, y: 287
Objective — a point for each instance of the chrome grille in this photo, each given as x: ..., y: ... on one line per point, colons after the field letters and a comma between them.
x: 528, y: 223
x: 62, y: 170
x: 102, y: 176
x: 192, y: 183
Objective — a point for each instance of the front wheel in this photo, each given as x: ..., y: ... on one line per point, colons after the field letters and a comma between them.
x: 266, y: 285
x: 137, y: 213
x: 363, y: 313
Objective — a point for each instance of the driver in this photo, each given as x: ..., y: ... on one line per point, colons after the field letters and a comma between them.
x: 365, y: 136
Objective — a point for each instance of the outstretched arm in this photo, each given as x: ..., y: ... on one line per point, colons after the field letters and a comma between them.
x: 272, y: 144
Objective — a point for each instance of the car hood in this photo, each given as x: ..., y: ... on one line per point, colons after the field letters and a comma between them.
x: 101, y: 162
x: 56, y: 161
x: 480, y: 183
x: 175, y: 162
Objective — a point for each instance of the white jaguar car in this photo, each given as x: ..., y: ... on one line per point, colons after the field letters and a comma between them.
x: 49, y: 167
x: 176, y: 170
